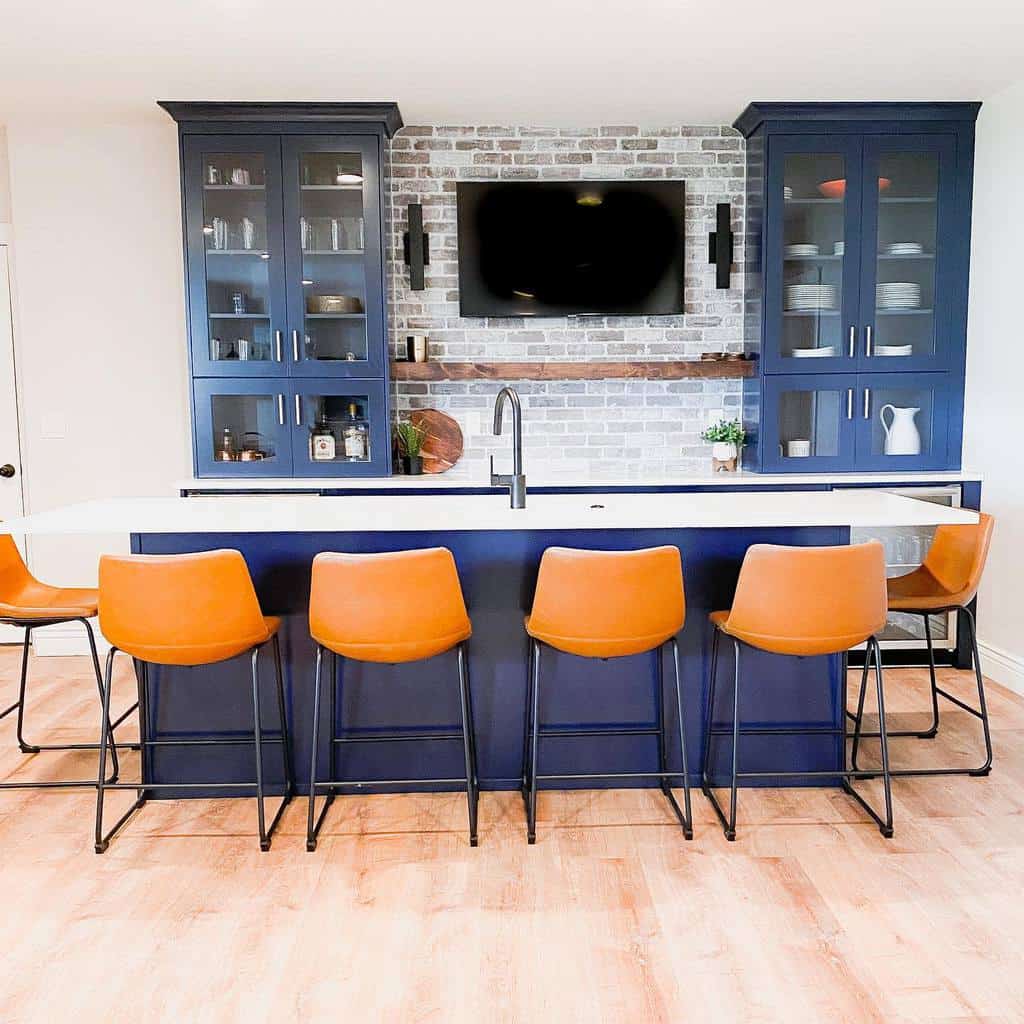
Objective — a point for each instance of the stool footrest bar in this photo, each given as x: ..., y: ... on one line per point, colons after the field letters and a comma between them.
x: 958, y: 702
x: 397, y: 737
x: 322, y: 784
x: 614, y: 775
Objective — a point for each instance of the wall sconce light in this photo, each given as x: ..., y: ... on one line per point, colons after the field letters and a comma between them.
x: 720, y: 245
x: 416, y: 246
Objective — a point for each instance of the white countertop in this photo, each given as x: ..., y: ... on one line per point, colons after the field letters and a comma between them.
x: 441, y: 481
x: 441, y: 513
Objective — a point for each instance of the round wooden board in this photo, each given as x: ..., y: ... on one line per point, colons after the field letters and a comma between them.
x: 442, y: 447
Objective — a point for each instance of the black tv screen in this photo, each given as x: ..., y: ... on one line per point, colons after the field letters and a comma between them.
x: 571, y: 248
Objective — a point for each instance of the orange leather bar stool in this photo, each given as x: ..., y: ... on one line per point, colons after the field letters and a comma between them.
x: 947, y: 581
x: 388, y: 608
x: 804, y: 602
x: 606, y: 604
x: 188, y: 610
x: 29, y: 604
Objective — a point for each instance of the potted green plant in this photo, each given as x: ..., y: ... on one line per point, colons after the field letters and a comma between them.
x: 726, y: 438
x: 410, y: 445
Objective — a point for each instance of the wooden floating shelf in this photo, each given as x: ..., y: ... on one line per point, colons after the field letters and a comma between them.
x: 650, y: 370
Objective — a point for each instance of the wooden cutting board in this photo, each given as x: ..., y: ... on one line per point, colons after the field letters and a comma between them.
x: 442, y: 447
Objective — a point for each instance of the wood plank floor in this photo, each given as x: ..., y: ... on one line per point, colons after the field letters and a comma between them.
x: 611, y: 917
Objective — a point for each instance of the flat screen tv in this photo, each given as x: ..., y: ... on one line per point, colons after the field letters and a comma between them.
x: 570, y: 248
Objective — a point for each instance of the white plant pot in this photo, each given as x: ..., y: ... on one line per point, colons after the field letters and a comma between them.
x: 723, y: 450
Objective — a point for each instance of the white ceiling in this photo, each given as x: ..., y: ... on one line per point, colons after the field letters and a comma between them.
x: 550, y: 62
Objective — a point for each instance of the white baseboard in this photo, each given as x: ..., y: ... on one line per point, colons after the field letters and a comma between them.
x: 66, y: 640
x: 1002, y: 667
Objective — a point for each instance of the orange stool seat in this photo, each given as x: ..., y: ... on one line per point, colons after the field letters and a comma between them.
x: 27, y: 603
x: 807, y: 602
x: 392, y: 607
x: 188, y: 610
x: 606, y: 604
x: 389, y: 608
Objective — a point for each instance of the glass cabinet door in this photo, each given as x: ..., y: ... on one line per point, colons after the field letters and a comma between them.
x: 242, y: 428
x: 340, y: 428
x: 811, y: 256
x: 906, y: 288
x: 903, y: 421
x: 336, y: 308
x: 236, y: 253
x: 808, y: 424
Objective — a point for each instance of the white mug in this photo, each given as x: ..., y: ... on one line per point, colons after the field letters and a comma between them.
x: 799, y: 449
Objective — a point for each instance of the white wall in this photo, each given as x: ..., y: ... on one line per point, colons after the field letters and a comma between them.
x: 992, y: 441
x: 5, y: 181
x: 100, y: 328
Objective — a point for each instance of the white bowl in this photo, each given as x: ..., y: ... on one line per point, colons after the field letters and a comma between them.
x: 814, y: 353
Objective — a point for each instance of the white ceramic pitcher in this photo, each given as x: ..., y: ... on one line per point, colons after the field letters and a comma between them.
x: 901, y: 434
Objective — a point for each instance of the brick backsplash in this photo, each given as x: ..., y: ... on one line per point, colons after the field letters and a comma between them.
x: 628, y: 428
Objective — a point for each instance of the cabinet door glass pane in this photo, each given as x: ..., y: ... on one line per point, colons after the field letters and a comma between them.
x: 244, y: 428
x: 338, y: 428
x: 900, y: 420
x: 814, y: 200
x: 810, y: 423
x: 237, y: 257
x: 333, y: 245
x: 907, y: 194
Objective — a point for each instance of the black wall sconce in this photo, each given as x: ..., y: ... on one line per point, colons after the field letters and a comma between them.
x: 416, y: 246
x: 720, y: 250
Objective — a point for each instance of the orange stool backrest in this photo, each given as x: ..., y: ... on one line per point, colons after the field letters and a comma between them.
x: 606, y: 604
x: 190, y: 609
x: 815, y: 600
x: 389, y: 607
x: 14, y: 574
x: 957, y: 557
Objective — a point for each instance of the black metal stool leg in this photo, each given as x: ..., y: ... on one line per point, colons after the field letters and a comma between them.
x: 26, y: 748
x: 115, y: 768
x: 986, y: 768
x: 709, y: 715
x: 524, y: 787
x: 729, y: 823
x: 468, y: 743
x: 531, y: 803
x: 930, y: 732
x: 686, y: 817
x: 286, y: 746
x: 102, y: 841
x: 313, y: 823
x: 859, y: 717
x: 257, y: 726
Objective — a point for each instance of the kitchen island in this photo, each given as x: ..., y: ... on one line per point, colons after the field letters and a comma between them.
x: 497, y: 550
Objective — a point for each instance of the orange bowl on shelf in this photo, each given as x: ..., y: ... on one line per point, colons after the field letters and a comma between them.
x: 836, y: 188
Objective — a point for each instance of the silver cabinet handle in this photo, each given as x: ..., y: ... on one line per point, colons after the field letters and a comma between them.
x: 853, y: 340
x: 295, y: 345
x: 298, y: 411
x: 277, y: 345
x: 849, y: 403
x: 280, y: 409
x: 867, y: 341
x: 867, y: 403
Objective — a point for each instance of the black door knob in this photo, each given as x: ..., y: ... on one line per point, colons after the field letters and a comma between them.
x: 7, y: 470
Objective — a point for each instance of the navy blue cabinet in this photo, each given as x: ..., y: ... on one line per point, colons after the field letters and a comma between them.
x: 284, y: 255
x: 834, y: 422
x: 857, y: 261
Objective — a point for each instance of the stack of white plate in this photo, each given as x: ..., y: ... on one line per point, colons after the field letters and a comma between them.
x: 894, y: 350
x: 810, y: 296
x: 899, y: 295
x: 798, y: 249
x: 839, y: 248
x: 814, y: 353
x: 904, y: 249
x: 787, y: 192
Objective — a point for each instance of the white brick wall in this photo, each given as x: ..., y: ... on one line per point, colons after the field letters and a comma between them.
x: 615, y: 427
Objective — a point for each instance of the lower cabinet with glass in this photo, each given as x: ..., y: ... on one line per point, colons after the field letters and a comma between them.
x: 278, y: 428
x: 885, y: 422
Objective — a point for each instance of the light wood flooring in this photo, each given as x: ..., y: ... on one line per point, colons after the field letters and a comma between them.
x: 611, y: 917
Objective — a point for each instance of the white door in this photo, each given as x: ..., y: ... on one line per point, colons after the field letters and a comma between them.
x: 10, y: 459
